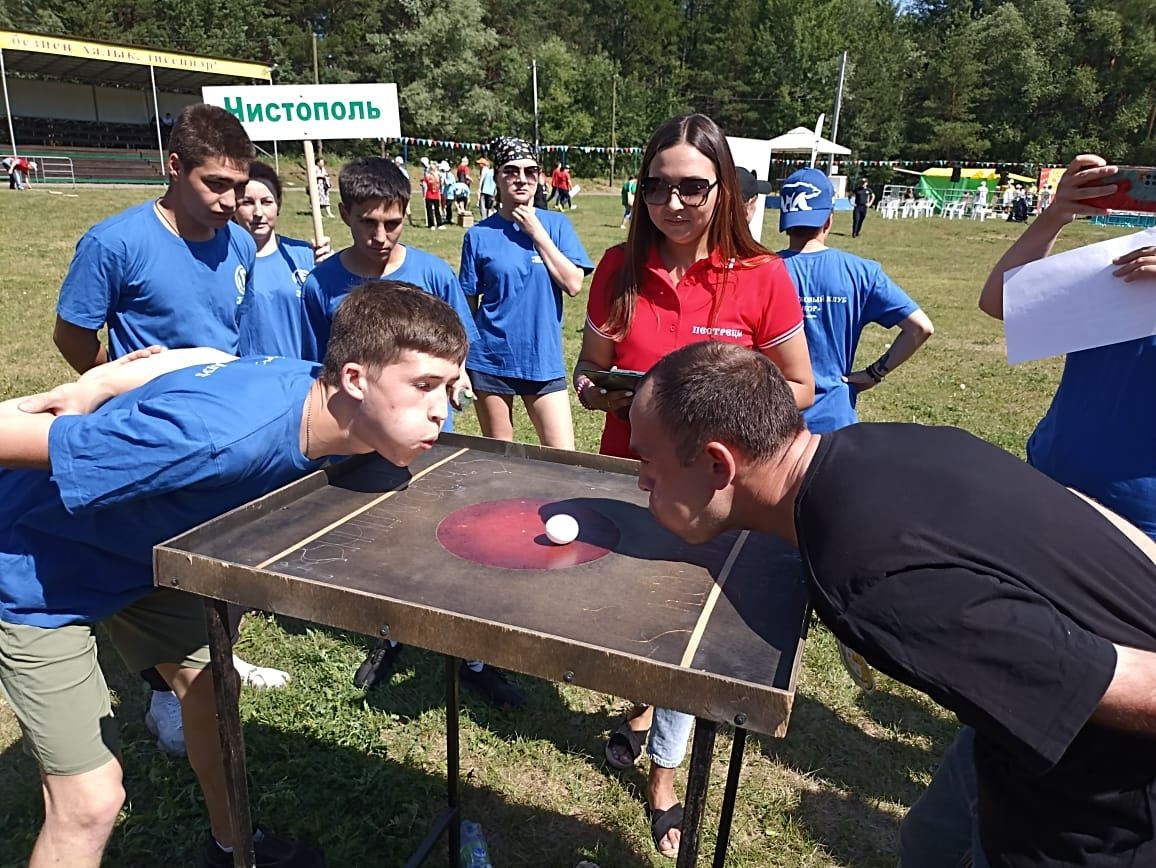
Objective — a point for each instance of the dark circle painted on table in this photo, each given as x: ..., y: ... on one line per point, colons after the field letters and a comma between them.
x: 511, y: 534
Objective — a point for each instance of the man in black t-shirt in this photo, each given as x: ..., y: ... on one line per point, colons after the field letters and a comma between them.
x: 861, y: 198
x: 953, y: 567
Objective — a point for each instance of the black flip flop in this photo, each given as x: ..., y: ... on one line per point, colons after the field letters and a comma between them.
x: 625, y: 737
x: 662, y: 822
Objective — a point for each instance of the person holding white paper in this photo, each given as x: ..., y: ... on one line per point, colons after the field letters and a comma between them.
x: 1096, y: 438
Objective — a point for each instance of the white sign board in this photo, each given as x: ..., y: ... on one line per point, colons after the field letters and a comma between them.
x: 1072, y: 301
x: 755, y: 156
x: 293, y: 112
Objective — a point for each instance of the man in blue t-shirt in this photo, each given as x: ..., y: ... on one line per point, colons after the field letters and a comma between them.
x: 97, y: 492
x: 1096, y: 438
x: 173, y: 272
x: 841, y: 294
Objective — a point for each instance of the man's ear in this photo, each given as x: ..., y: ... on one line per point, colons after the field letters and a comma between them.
x: 353, y: 380
x: 723, y: 464
x: 174, y: 166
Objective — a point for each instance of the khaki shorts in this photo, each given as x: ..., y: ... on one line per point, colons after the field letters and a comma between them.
x: 52, y: 680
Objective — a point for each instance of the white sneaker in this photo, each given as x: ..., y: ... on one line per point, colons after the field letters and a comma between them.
x: 260, y: 676
x: 163, y: 719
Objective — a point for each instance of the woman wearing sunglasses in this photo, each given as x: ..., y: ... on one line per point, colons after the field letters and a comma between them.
x: 516, y: 265
x: 689, y: 271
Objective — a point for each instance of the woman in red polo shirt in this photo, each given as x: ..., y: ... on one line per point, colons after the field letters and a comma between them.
x: 689, y: 271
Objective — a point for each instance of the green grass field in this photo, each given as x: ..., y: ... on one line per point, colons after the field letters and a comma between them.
x: 362, y: 775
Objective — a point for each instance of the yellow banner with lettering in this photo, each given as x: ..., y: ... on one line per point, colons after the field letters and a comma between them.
x: 64, y: 46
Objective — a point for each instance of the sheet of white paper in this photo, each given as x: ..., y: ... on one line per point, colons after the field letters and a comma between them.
x: 1071, y: 301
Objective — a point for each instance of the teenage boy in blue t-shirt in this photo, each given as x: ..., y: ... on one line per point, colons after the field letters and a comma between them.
x: 841, y: 295
x: 374, y: 203
x: 97, y: 492
x: 174, y: 272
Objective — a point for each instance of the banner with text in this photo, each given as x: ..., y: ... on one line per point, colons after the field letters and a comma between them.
x: 65, y: 46
x: 291, y: 112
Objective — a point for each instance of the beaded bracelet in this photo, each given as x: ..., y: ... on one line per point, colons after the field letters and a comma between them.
x: 580, y: 387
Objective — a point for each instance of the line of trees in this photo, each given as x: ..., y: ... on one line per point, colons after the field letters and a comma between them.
x: 1016, y: 81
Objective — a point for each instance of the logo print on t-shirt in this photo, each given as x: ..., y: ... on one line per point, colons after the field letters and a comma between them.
x: 239, y: 277
x: 299, y: 277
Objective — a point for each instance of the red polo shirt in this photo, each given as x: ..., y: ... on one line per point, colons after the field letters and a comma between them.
x: 759, y: 309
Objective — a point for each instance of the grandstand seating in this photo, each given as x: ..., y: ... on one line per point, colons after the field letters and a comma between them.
x: 100, y: 152
x: 59, y: 132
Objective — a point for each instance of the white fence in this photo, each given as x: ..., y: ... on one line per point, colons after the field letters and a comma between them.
x: 52, y: 170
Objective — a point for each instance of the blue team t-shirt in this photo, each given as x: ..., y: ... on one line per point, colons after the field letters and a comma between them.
x: 1099, y: 434
x: 151, y: 287
x: 520, y: 313
x: 331, y: 281
x: 840, y: 293
x: 271, y: 319
x: 76, y: 543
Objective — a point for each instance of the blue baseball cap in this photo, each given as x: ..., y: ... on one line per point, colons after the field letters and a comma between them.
x: 806, y: 199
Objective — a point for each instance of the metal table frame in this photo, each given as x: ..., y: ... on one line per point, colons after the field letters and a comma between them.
x: 227, y: 689
x: 171, y: 561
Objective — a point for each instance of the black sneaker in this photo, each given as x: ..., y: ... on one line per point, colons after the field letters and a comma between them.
x: 492, y: 685
x: 271, y: 853
x: 378, y: 666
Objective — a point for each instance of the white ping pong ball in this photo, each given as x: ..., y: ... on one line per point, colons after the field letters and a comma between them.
x: 561, y: 529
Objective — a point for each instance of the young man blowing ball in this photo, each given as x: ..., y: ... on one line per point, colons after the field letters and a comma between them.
x: 96, y: 492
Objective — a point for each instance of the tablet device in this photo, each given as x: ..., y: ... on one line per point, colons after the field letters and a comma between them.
x: 616, y: 379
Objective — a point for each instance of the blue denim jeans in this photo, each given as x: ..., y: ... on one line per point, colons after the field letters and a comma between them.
x: 669, y: 733
x: 940, y: 830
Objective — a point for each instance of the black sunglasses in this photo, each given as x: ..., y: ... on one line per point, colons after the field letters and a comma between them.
x: 692, y: 192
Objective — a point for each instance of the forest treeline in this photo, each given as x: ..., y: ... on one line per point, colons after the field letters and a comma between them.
x: 1016, y: 81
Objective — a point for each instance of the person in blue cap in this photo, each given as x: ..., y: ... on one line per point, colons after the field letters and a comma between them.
x: 841, y: 295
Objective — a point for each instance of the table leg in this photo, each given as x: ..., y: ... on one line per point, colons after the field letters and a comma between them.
x: 452, y: 761
x: 728, y: 805
x: 449, y: 821
x: 227, y: 690
x: 697, y: 782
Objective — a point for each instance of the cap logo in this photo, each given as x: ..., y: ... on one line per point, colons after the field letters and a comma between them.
x: 798, y: 196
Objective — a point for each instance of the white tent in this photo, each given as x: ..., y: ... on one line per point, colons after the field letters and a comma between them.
x: 801, y: 140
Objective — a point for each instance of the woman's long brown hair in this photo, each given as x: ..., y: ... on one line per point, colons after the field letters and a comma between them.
x: 728, y: 232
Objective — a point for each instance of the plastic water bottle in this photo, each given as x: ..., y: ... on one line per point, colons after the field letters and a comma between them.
x: 474, y: 853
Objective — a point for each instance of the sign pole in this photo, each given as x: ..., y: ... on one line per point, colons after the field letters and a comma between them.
x: 314, y: 202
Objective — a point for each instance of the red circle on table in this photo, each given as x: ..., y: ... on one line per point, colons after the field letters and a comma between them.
x: 511, y: 534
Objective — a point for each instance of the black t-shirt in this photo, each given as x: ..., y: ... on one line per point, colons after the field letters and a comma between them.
x: 861, y: 195
x: 955, y: 568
